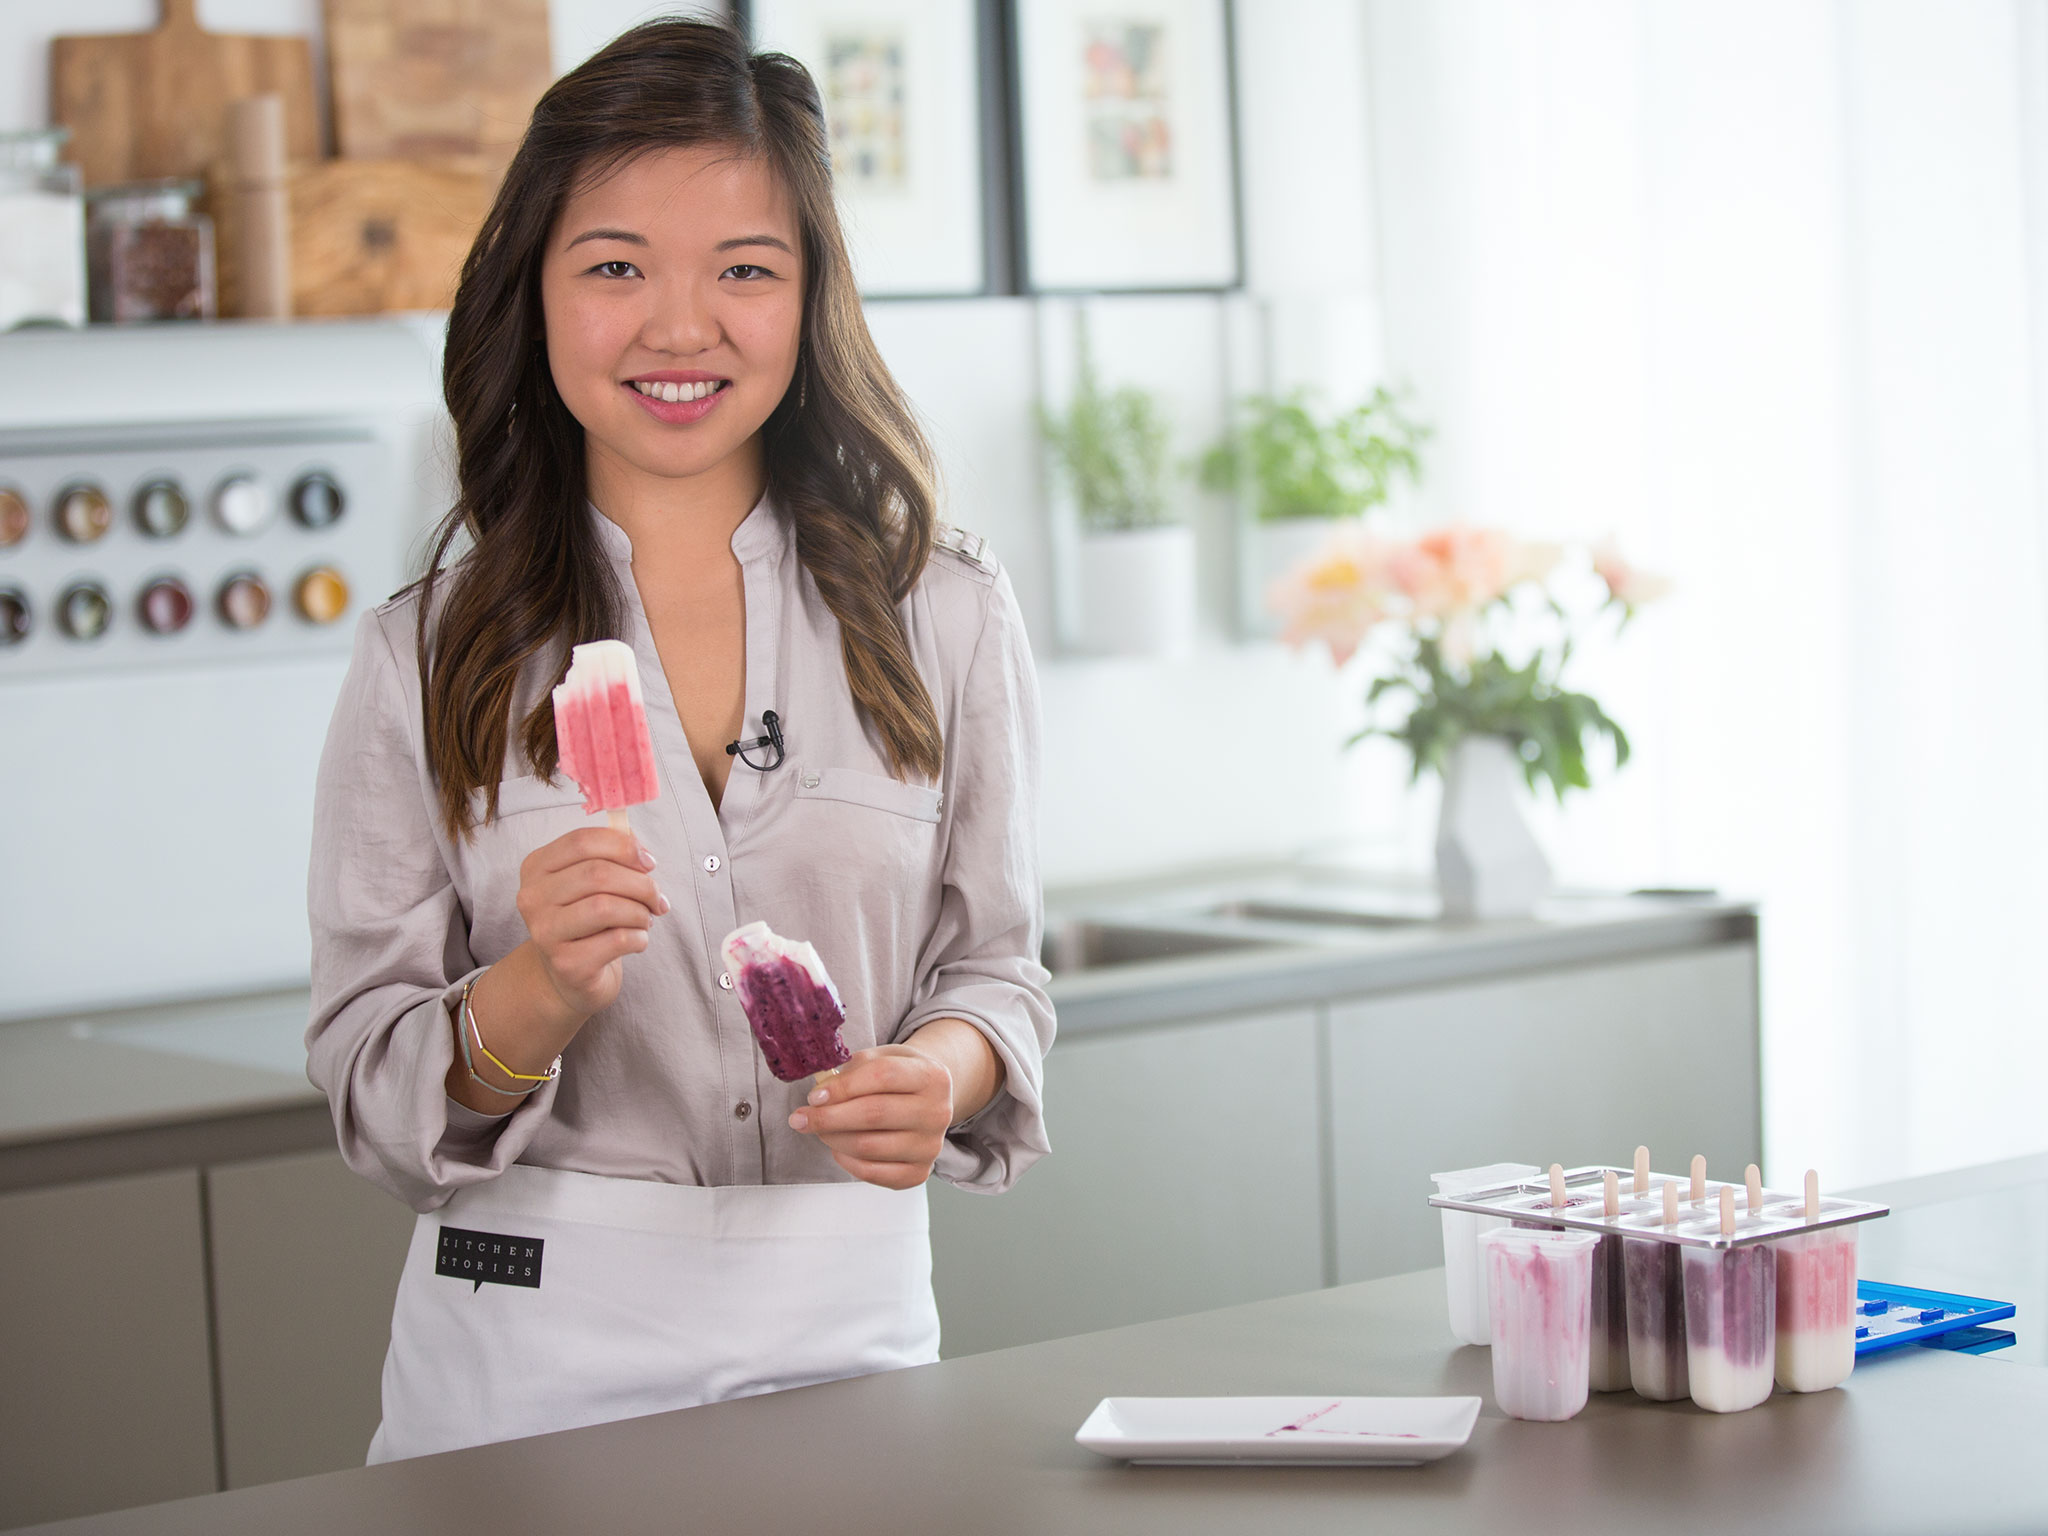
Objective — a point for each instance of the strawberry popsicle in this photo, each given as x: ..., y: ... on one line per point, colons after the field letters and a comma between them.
x: 601, y: 730
x: 789, y: 1000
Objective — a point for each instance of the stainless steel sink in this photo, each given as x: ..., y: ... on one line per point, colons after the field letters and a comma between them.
x: 1253, y: 909
x: 1080, y: 944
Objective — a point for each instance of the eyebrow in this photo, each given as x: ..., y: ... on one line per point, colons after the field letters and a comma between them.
x: 627, y: 237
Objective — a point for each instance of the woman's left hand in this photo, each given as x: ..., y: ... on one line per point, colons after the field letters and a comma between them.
x: 884, y: 1117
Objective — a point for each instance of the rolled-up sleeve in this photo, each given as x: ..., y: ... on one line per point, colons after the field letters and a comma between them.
x: 981, y: 963
x: 391, y: 950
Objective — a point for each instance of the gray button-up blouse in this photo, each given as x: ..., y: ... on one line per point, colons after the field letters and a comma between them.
x: 922, y: 900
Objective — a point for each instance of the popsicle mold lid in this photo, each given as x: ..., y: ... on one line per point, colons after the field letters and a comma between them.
x: 1458, y: 1180
x: 1783, y: 1215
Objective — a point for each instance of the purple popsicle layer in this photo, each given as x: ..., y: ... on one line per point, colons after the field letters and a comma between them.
x: 1656, y: 1319
x: 1610, y: 1317
x: 789, y: 1001
x: 1731, y: 1311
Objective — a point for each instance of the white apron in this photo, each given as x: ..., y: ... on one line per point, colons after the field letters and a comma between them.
x: 544, y: 1300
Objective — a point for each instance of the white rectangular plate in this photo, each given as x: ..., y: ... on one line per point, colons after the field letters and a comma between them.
x: 1280, y: 1431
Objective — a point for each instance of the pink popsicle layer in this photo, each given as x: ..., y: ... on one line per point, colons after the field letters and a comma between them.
x: 601, y: 728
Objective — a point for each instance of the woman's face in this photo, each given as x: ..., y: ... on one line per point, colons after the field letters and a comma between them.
x: 673, y: 296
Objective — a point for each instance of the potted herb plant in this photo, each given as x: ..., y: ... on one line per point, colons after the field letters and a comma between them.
x: 1135, y: 576
x: 1298, y: 471
x: 1470, y: 631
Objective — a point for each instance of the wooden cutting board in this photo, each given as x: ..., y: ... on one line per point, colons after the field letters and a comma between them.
x: 430, y: 79
x: 147, y: 104
x: 368, y: 236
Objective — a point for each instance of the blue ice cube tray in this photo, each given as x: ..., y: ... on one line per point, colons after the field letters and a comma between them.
x: 1890, y: 1315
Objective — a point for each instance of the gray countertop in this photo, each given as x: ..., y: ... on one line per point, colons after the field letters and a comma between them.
x: 1917, y: 1442
x: 105, y: 1093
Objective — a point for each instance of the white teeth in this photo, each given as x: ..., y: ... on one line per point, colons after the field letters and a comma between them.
x: 679, y: 392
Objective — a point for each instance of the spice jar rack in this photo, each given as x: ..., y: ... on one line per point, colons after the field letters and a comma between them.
x: 198, y: 545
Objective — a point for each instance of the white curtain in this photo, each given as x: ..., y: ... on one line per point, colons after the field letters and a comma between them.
x: 1762, y: 288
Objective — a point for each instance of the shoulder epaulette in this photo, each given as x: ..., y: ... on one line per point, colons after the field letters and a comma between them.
x: 971, y: 547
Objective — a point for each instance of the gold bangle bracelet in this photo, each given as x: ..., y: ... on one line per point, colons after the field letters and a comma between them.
x: 536, y: 1078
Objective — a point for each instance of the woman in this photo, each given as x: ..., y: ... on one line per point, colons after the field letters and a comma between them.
x: 673, y: 428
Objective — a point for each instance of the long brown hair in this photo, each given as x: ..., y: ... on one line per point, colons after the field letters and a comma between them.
x: 845, y: 457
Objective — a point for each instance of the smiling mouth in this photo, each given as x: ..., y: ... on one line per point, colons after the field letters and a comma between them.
x: 674, y: 393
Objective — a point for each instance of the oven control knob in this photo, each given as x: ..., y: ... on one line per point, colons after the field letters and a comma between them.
x: 241, y: 505
x: 84, y: 610
x: 317, y: 501
x: 321, y: 595
x: 83, y: 513
x: 162, y: 509
x: 244, y: 601
x: 16, y: 617
x: 15, y: 517
x: 165, y: 606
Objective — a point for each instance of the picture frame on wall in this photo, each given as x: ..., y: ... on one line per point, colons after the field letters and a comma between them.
x: 901, y: 84
x: 1128, y: 145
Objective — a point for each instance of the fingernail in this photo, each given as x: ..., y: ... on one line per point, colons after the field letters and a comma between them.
x: 819, y: 1096
x: 799, y: 1121
x: 664, y: 901
x: 646, y: 859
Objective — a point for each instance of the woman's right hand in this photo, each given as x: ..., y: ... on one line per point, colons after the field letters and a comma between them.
x: 588, y: 902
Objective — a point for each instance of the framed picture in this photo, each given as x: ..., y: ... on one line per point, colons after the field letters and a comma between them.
x: 901, y: 85
x: 1128, y: 144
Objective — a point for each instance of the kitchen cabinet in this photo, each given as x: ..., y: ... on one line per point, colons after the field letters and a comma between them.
x: 105, y: 1381
x: 1576, y: 1065
x: 306, y: 1256
x: 1185, y: 1175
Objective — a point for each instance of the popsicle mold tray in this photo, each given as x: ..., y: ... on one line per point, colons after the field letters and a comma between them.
x: 1699, y: 1225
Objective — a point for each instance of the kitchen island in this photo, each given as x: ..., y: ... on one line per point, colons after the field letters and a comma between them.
x: 1917, y: 1442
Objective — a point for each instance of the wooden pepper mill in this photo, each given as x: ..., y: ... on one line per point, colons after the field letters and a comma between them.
x: 262, y: 219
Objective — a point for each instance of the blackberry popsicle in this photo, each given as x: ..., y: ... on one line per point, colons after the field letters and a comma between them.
x: 789, y: 1001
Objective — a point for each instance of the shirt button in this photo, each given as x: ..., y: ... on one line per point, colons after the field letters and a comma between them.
x: 811, y: 781
x: 742, y: 1109
x: 725, y: 980
x: 710, y: 863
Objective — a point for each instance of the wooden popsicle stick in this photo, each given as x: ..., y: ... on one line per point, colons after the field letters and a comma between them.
x: 1670, y: 1205
x: 1610, y: 1195
x: 818, y: 1078
x: 1699, y: 1178
x: 1813, y: 1194
x: 1642, y: 1170
x: 620, y: 821
x: 1753, y: 1177
x: 1727, y: 1210
x: 1557, y: 1186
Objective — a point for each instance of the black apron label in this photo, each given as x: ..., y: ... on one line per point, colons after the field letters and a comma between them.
x: 494, y: 1256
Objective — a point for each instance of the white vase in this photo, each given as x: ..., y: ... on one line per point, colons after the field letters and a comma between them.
x: 1136, y: 592
x: 1271, y: 550
x: 1488, y: 864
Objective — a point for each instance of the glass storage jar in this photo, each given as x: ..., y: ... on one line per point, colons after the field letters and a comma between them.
x: 150, y: 254
x: 42, y: 232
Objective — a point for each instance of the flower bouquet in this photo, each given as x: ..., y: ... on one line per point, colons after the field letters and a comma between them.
x: 1472, y: 629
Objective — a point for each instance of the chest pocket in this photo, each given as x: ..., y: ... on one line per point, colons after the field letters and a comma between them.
x: 916, y: 801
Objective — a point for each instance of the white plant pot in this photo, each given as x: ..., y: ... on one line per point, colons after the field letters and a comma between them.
x: 1135, y: 590
x: 1488, y: 864
x: 1271, y: 551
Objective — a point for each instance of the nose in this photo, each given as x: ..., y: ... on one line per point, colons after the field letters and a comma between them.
x: 682, y: 319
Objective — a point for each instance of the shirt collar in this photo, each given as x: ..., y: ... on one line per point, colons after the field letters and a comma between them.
x: 763, y: 534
